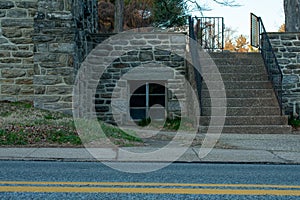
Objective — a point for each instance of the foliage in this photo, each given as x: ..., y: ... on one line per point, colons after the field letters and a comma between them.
x: 144, y: 13
x: 282, y: 28
x: 169, y: 13
x: 294, y: 122
x: 240, y: 45
x: 144, y: 122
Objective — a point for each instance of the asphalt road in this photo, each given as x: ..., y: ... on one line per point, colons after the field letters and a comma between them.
x: 90, y: 180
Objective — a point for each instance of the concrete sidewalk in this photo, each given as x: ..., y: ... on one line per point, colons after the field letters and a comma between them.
x: 234, y: 148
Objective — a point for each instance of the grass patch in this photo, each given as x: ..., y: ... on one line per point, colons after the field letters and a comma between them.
x: 169, y: 125
x: 294, y: 122
x: 23, y: 125
x: 115, y: 132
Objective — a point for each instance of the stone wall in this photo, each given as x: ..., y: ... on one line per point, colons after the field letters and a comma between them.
x: 17, y: 49
x: 59, y: 40
x: 44, y: 42
x: 287, y: 49
x: 142, y: 58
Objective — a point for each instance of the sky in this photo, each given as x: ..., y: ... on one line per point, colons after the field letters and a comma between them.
x: 238, y: 18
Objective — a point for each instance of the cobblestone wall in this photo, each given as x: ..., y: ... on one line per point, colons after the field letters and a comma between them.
x: 44, y: 42
x: 287, y: 49
x: 143, y: 60
x: 16, y: 49
x: 59, y: 40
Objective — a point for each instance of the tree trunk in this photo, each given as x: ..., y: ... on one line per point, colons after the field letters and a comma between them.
x: 292, y: 15
x: 119, y: 15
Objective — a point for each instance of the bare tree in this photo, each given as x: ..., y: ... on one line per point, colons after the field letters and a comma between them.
x: 119, y: 15
x: 292, y: 15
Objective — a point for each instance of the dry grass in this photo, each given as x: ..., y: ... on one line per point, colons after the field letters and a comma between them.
x: 23, y: 125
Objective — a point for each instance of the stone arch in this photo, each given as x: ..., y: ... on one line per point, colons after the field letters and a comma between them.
x: 149, y: 65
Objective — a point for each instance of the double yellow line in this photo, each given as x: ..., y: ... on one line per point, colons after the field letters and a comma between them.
x: 149, y: 188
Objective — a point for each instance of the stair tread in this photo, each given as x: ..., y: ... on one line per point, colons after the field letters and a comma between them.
x: 251, y: 104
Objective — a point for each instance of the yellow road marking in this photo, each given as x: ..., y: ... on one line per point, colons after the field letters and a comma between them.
x: 148, y: 190
x: 151, y: 184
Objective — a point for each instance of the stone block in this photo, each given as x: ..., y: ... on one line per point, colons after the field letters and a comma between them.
x: 179, y: 39
x: 43, y: 38
x: 12, y: 73
x: 138, y: 42
x: 21, y: 23
x: 146, y: 56
x: 47, y: 80
x: 67, y: 99
x: 10, y: 89
x: 62, y: 48
x: 296, y: 43
x: 27, y: 32
x: 8, y: 47
x: 69, y: 80
x: 4, y: 4
x: 293, y: 66
x: 44, y: 99
x: 26, y: 90
x: 22, y: 54
x: 293, y: 49
x: 16, y: 13
x: 21, y: 40
x: 67, y: 71
x: 60, y: 16
x: 24, y: 81
x: 4, y: 54
x: 11, y: 32
x: 290, y: 79
x: 55, y: 90
x: 27, y: 4
x: 288, y: 37
x: 46, y: 57
x: 39, y: 89
x: 4, y: 81
x: 2, y: 13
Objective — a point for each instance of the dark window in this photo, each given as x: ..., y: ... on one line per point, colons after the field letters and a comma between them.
x: 147, y: 99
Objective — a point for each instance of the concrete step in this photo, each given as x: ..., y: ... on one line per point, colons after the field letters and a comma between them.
x: 242, y: 111
x: 235, y: 77
x: 233, y: 55
x: 234, y: 61
x: 215, y: 85
x: 249, y: 129
x: 235, y: 69
x: 240, y: 102
x: 245, y: 120
x: 240, y: 93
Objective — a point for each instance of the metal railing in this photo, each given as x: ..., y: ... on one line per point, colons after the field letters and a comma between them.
x: 209, y: 32
x: 260, y: 39
x: 196, y: 61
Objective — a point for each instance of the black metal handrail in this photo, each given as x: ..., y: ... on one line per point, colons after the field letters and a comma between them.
x: 195, y: 59
x: 209, y: 32
x: 260, y: 39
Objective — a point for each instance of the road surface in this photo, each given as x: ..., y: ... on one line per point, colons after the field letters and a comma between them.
x: 92, y: 180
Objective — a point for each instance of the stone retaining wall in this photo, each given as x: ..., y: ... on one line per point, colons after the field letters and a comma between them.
x: 44, y: 42
x: 287, y: 50
x: 141, y: 58
x: 17, y: 49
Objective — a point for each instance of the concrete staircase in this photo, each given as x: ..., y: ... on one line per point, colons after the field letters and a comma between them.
x: 252, y: 107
